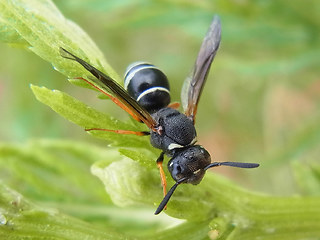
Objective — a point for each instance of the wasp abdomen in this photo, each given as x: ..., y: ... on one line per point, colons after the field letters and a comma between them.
x: 148, y: 85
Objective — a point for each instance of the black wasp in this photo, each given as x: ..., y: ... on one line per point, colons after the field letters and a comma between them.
x: 147, y: 99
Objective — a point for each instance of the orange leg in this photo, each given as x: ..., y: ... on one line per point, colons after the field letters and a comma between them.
x: 174, y: 105
x: 162, y: 175
x: 119, y: 131
x: 113, y: 99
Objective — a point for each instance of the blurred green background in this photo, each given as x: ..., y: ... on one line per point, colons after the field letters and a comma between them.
x: 261, y: 100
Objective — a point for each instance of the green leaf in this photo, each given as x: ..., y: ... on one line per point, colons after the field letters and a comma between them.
x: 10, y: 35
x: 145, y: 157
x: 38, y: 166
x: 45, y: 29
x: 128, y: 183
x: 87, y: 117
x: 20, y: 219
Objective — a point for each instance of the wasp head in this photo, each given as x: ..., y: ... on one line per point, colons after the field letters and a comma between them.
x: 189, y: 163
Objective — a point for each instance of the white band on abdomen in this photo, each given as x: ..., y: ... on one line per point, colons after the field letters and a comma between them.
x: 132, y: 73
x: 150, y: 90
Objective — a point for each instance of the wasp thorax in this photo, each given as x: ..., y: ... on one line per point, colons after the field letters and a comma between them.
x: 189, y: 163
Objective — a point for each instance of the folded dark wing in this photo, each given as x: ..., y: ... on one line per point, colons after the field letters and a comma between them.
x: 113, y: 87
x: 193, y: 85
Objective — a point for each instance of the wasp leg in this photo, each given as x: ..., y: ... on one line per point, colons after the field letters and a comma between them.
x: 119, y: 131
x: 113, y: 99
x: 162, y: 175
x: 174, y: 105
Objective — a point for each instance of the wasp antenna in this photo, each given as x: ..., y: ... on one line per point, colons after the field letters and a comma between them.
x: 232, y: 164
x: 166, y: 199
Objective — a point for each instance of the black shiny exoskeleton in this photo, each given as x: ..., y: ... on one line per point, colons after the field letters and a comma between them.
x: 147, y: 100
x: 148, y: 85
x: 176, y: 131
x: 190, y: 162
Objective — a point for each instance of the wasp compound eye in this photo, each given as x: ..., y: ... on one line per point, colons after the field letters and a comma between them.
x: 189, y: 163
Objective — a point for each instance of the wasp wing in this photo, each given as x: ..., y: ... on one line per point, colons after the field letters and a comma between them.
x: 112, y: 86
x: 193, y: 85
